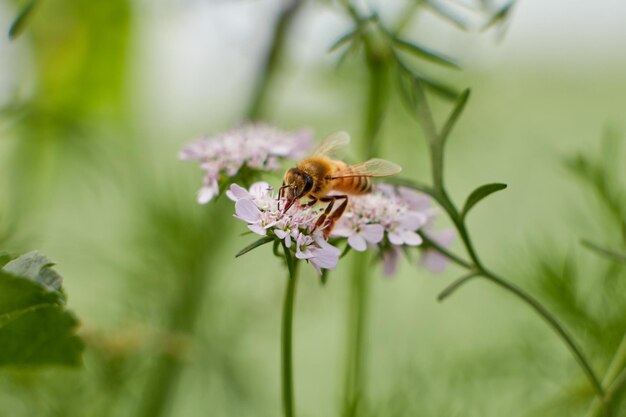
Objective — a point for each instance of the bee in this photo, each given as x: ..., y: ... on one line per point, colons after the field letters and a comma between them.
x: 318, y: 175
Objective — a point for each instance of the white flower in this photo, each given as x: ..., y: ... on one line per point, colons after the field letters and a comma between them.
x: 258, y: 207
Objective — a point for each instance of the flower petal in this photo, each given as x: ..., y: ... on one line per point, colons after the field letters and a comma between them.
x: 411, y: 238
x: 357, y: 242
x: 247, y: 211
x: 413, y: 220
x: 373, y: 233
x: 237, y: 192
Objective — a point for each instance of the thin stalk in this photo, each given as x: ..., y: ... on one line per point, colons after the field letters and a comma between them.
x: 612, y: 380
x: 355, y: 352
x: 554, y: 323
x: 267, y: 72
x: 287, y: 335
x: 436, y: 143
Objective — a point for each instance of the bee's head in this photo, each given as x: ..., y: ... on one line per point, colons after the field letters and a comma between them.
x: 296, y: 184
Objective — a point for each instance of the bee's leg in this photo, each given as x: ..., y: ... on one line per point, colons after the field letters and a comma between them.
x: 281, y: 192
x: 311, y: 202
x: 330, y: 223
x: 322, y: 218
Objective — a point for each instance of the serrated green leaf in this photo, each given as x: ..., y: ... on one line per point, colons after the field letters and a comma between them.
x: 5, y: 257
x: 41, y: 335
x: 425, y: 53
x: 35, y: 329
x: 454, y: 116
x: 36, y: 267
x: 254, y: 245
x: 19, y: 24
x: 478, y: 194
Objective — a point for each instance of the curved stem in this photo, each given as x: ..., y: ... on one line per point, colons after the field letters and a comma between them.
x: 287, y: 335
x: 554, y: 323
x: 436, y: 143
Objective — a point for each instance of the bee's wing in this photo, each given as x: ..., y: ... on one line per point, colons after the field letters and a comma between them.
x: 332, y: 144
x: 371, y: 168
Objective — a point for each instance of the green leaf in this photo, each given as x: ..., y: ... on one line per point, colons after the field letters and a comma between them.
x: 500, y: 16
x: 19, y: 24
x: 343, y: 40
x: 454, y: 116
x: 40, y: 336
x: 254, y: 245
x: 607, y: 253
x: 35, y: 327
x: 480, y: 193
x: 425, y: 53
x: 446, y: 91
x: 5, y: 257
x: 36, y: 267
x: 624, y: 232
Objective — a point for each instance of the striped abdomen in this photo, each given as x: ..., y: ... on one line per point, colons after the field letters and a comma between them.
x: 356, y: 184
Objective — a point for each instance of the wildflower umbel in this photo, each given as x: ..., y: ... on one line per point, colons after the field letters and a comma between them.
x: 259, y: 208
x: 384, y: 213
x: 257, y: 147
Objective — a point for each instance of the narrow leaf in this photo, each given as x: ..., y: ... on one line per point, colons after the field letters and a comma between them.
x: 480, y: 193
x: 500, y: 16
x: 607, y: 253
x: 455, y: 286
x: 343, y: 40
x: 425, y: 53
x: 446, y: 91
x: 20, y: 22
x: 454, y: 116
x: 254, y: 245
x: 447, y: 14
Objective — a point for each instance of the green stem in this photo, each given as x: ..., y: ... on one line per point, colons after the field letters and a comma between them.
x: 287, y: 335
x: 554, y: 323
x: 436, y: 143
x: 267, y: 72
x: 612, y: 380
x: 355, y: 353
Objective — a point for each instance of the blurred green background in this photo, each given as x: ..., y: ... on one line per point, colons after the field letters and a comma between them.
x: 96, y: 100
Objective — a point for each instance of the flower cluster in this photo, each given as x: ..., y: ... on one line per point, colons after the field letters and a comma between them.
x: 387, y: 217
x: 254, y: 146
x: 259, y: 208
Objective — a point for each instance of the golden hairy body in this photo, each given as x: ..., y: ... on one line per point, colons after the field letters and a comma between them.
x: 315, y: 177
x: 323, y: 170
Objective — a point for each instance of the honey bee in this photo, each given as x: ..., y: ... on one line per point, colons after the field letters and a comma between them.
x: 318, y: 175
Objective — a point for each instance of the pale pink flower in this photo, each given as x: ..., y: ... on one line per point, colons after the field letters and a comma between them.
x: 259, y: 208
x: 431, y: 259
x: 254, y: 146
x: 371, y: 217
